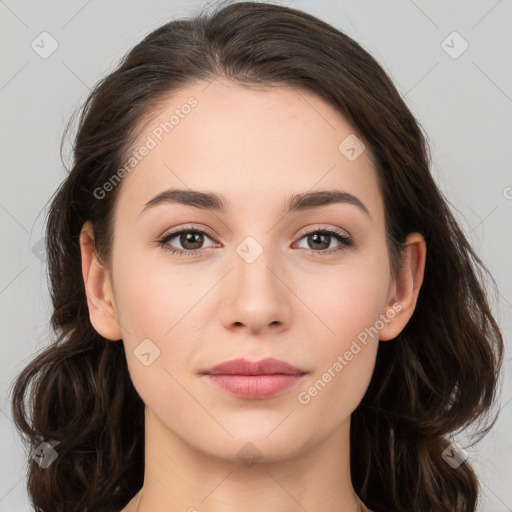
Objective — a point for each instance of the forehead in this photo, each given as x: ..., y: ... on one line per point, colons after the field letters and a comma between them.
x: 251, y: 145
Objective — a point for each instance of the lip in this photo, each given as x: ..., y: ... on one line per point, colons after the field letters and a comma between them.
x: 254, y: 380
x: 241, y: 366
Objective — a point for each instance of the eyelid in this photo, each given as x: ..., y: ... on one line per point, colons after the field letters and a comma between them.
x: 198, y: 228
x: 302, y: 232
x: 324, y: 227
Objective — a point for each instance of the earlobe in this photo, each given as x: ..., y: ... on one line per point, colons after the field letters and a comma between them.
x: 100, y: 300
x: 406, y: 286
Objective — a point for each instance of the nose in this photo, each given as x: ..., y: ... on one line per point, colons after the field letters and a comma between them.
x: 255, y: 296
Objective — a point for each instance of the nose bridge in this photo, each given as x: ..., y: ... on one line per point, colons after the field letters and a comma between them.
x: 254, y: 266
x: 256, y: 296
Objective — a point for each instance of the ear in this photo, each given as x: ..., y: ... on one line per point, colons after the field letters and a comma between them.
x: 406, y: 287
x: 100, y: 298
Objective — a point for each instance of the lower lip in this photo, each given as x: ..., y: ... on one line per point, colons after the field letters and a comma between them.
x: 255, y: 387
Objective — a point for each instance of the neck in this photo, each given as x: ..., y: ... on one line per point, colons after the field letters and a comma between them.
x: 179, y: 477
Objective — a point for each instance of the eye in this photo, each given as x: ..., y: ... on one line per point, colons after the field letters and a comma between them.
x: 192, y: 239
x: 322, y: 238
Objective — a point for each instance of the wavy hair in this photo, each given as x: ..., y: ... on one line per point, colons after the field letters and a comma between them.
x: 440, y: 374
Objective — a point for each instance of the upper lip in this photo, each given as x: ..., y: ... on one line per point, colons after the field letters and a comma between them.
x: 268, y: 366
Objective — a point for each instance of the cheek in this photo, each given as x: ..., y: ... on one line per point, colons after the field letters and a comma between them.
x: 346, y: 301
x: 156, y: 307
x: 345, y: 353
x: 162, y: 303
x: 152, y: 294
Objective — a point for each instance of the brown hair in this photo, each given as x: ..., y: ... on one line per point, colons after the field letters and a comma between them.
x: 437, y: 377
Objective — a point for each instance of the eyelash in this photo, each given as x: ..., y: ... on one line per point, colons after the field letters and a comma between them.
x: 345, y: 241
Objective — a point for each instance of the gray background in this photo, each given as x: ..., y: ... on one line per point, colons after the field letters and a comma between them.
x: 463, y: 103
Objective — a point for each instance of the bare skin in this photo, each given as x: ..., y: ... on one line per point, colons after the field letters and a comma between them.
x: 256, y: 148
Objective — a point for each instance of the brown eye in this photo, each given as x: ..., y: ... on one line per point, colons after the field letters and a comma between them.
x: 320, y: 240
x: 191, y: 241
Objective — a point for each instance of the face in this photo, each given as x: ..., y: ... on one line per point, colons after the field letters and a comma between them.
x: 310, y: 285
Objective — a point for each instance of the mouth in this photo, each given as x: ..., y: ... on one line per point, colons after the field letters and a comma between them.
x: 254, y: 380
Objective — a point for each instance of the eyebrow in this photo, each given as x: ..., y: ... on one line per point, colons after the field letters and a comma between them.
x: 218, y: 203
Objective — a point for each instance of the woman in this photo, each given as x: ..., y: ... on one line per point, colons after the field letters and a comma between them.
x: 262, y: 299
